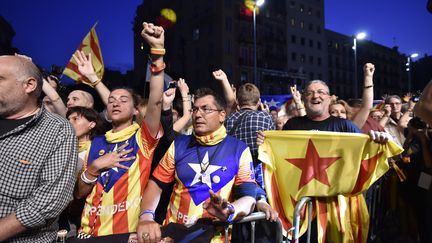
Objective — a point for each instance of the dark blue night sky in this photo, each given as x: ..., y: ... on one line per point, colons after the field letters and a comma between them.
x: 51, y: 30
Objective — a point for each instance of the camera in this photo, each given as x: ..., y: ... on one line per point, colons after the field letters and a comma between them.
x: 416, y: 97
x: 55, y: 74
x: 417, y: 123
x: 172, y: 85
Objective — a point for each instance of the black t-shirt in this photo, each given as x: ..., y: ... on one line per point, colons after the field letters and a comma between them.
x: 7, y: 125
x: 331, y: 124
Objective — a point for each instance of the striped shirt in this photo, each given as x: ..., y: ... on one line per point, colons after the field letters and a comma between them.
x: 113, y: 206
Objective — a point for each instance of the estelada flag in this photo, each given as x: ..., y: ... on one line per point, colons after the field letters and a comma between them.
x: 90, y: 44
x: 330, y: 166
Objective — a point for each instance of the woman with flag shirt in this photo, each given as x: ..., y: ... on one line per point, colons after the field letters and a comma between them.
x: 119, y: 162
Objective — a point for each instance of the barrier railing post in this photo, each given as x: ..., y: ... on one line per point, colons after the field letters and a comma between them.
x: 297, y: 212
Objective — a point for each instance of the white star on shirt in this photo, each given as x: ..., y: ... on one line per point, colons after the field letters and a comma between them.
x: 113, y: 168
x: 273, y: 103
x: 206, y: 174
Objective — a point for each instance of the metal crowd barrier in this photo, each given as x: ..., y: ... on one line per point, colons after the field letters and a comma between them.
x: 296, y: 224
x: 252, y: 218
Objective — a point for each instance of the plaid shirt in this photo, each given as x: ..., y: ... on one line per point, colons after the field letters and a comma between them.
x: 37, y: 171
x: 252, y: 122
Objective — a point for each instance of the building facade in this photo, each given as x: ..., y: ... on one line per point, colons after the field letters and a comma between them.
x: 292, y: 47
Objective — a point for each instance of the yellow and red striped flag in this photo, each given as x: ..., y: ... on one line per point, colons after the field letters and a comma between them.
x: 334, y: 167
x: 90, y: 44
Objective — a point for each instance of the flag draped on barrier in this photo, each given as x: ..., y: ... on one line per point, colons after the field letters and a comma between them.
x: 90, y: 44
x: 330, y: 166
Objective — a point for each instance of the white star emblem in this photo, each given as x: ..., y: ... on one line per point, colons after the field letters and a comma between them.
x: 273, y: 103
x: 203, y: 177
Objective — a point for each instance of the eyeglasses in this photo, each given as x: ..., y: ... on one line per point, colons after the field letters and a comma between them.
x: 320, y: 92
x: 395, y: 103
x: 204, y: 110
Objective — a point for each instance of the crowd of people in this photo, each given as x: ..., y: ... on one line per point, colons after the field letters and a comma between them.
x: 121, y: 173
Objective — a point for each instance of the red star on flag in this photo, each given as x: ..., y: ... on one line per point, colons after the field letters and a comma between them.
x: 313, y: 166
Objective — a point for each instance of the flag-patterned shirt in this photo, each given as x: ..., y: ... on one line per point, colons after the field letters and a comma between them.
x: 229, y: 170
x: 113, y: 206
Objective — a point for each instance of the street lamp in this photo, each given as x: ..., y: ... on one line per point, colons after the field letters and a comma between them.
x: 359, y: 36
x: 256, y: 5
x: 408, y: 69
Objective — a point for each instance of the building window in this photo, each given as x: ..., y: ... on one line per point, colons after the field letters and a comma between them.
x: 318, y: 30
x: 228, y: 24
x: 319, y: 45
x: 294, y: 56
x: 318, y: 14
x: 310, y: 27
x: 302, y: 24
x: 336, y: 45
x: 292, y: 3
x: 228, y: 46
x: 310, y: 11
x: 243, y: 55
x: 293, y: 39
x: 302, y: 58
x: 302, y: 41
x: 310, y: 43
x: 195, y: 34
x: 311, y: 76
x: 310, y: 59
x: 301, y: 8
x: 243, y: 77
x: 319, y: 61
x: 292, y: 22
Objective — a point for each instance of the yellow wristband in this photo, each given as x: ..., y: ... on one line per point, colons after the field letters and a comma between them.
x: 157, y: 51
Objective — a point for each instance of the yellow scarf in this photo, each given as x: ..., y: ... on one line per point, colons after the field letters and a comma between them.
x: 84, y: 146
x: 123, y: 135
x: 212, y: 139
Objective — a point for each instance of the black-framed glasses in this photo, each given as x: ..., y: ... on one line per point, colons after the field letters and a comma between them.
x: 204, y: 110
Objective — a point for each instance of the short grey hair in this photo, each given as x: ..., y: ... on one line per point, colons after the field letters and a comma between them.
x: 319, y: 82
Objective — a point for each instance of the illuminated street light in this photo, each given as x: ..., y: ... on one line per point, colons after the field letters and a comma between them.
x: 257, y: 4
x: 408, y: 69
x: 359, y: 36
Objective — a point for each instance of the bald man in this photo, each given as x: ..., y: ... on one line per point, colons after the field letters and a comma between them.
x: 80, y: 98
x: 38, y: 156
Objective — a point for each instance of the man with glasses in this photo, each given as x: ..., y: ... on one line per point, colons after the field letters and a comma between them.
x: 392, y: 125
x: 316, y: 98
x: 212, y: 175
x: 317, y: 101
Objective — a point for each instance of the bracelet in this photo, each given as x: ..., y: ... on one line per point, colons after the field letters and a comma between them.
x: 91, y: 173
x: 96, y: 82
x: 154, y: 69
x: 87, y: 180
x: 157, y: 51
x: 230, y: 218
x: 369, y: 86
x: 147, y: 211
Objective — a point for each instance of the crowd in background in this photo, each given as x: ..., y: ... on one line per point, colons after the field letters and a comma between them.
x: 129, y: 166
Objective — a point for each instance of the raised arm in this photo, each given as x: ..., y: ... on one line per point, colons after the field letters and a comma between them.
x: 85, y: 67
x: 187, y: 106
x: 367, y: 98
x: 154, y: 36
x: 59, y: 106
x: 297, y: 100
x: 423, y: 108
x: 228, y: 92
